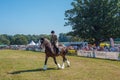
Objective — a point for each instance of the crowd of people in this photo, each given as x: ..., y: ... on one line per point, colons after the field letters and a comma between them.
x: 101, y: 48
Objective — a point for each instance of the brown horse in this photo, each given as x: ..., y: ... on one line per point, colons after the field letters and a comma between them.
x: 50, y: 52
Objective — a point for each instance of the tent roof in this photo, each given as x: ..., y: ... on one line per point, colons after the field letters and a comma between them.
x: 32, y: 43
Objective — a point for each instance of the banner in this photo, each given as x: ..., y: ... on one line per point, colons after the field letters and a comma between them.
x: 99, y: 54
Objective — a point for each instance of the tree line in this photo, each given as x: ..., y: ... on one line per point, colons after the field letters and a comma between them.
x: 21, y: 39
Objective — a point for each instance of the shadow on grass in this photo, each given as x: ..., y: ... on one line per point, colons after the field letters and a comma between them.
x: 32, y: 70
x: 100, y: 58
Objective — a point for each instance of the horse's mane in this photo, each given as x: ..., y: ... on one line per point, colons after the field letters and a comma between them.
x: 48, y: 45
x: 47, y: 42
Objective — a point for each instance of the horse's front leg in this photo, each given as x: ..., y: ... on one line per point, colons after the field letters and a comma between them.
x: 58, y: 65
x: 45, y: 63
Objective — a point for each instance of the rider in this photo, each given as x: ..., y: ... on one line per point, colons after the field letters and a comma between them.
x: 54, y: 40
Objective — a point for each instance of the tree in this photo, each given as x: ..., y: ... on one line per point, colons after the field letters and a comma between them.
x: 20, y: 40
x: 4, y: 39
x: 63, y: 37
x: 94, y: 20
x: 68, y: 38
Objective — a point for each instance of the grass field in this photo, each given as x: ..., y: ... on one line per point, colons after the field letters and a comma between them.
x: 27, y: 65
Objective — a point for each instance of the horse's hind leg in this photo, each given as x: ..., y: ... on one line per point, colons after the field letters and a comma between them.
x: 65, y: 60
x: 68, y: 63
x: 58, y: 65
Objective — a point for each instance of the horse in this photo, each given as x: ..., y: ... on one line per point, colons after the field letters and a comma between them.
x: 50, y: 52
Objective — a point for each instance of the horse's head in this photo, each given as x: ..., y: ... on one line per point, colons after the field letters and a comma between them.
x: 44, y: 42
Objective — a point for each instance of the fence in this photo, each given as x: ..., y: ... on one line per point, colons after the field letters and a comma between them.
x: 99, y: 54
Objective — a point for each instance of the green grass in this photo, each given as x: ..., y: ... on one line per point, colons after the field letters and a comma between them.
x: 27, y: 65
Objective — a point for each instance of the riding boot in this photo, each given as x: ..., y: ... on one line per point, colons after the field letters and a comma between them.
x: 57, y: 50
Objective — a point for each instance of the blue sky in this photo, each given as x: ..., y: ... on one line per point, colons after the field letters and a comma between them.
x: 33, y: 16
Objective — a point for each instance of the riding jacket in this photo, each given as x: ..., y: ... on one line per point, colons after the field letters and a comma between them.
x: 54, y: 39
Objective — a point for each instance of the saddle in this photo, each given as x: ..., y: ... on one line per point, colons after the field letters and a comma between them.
x: 55, y: 50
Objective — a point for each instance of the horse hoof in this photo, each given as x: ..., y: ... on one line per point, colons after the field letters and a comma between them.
x: 45, y: 67
x: 62, y: 68
x: 58, y: 65
x: 68, y: 63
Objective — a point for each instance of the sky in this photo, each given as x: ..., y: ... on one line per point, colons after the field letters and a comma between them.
x: 33, y: 16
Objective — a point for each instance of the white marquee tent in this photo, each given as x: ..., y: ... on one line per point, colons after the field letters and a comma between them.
x: 32, y: 43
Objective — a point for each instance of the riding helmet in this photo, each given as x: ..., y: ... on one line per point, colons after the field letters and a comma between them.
x: 52, y: 31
